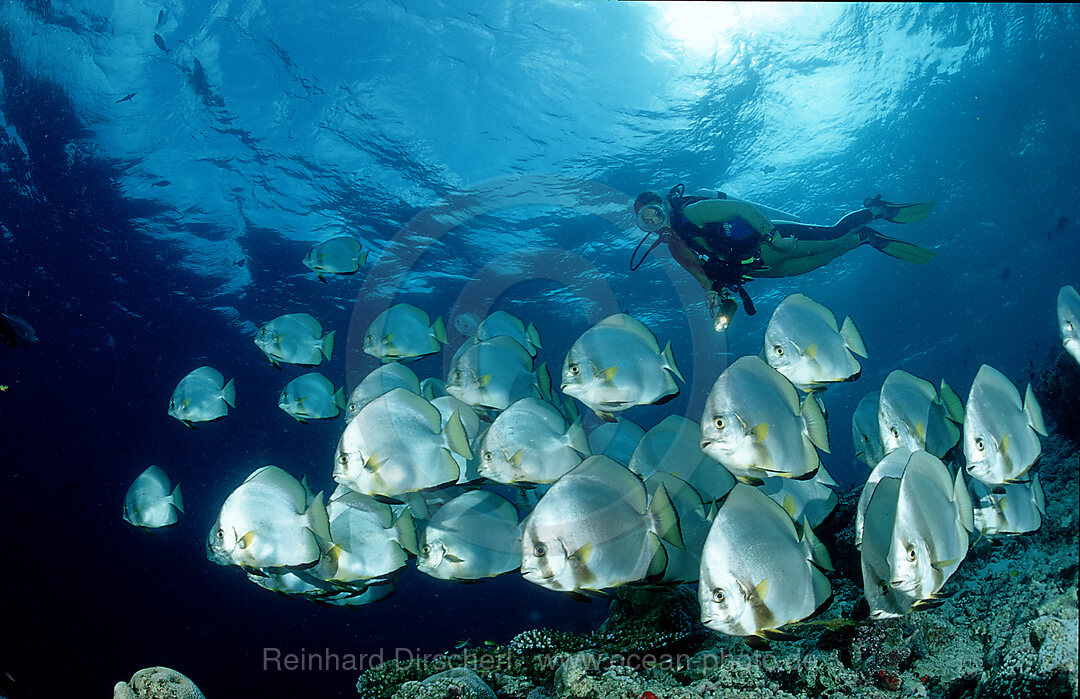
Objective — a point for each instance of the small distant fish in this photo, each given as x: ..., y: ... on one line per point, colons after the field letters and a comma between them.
x: 295, y: 338
x: 13, y: 328
x: 149, y: 503
x: 339, y: 255
x: 768, y: 169
x: 1059, y: 227
x: 804, y: 343
x: 126, y: 97
x: 161, y: 183
x: 312, y: 397
x: 160, y: 18
x: 503, y: 323
x: 1016, y: 508
x: 202, y: 396
x: 269, y: 522
x: 160, y: 42
x: 1068, y: 314
x: 404, y: 333
x: 745, y: 593
x: 474, y: 536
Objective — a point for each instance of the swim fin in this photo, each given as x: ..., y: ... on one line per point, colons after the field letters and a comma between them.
x: 899, y: 213
x: 901, y: 250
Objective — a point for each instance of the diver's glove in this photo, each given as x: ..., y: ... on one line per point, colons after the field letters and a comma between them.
x: 722, y: 308
x: 780, y: 242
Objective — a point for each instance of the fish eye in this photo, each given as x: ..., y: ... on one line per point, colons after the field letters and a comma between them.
x: 718, y: 596
x: 884, y: 587
x: 352, y: 407
x: 368, y: 338
x: 343, y: 459
x: 457, y: 374
x: 488, y: 456
x: 979, y: 444
x: 425, y: 549
x: 895, y: 433
x: 219, y: 534
x: 719, y: 423
x: 574, y: 369
x: 911, y: 554
x: 779, y: 351
x: 539, y: 550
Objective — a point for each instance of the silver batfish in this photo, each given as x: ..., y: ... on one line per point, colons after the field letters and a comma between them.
x: 367, y: 542
x: 397, y: 444
x: 1068, y: 313
x: 913, y: 415
x: 597, y: 528
x: 758, y: 572
x: 340, y: 255
x: 150, y: 503
x: 404, y: 333
x: 295, y: 338
x: 311, y: 396
x: 378, y: 382
x: 811, y: 500
x: 530, y: 442
x: 492, y: 373
x: 617, y: 364
x: 866, y: 432
x: 201, y: 396
x: 673, y: 446
x: 754, y: 425
x: 1015, y: 508
x: 474, y: 536
x: 503, y: 323
x: 1001, y: 434
x: 803, y: 342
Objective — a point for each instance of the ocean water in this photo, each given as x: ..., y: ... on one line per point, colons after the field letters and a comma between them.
x: 486, y: 154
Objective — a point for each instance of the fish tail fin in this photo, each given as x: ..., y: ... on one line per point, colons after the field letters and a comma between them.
x: 816, y: 427
x: 670, y: 359
x: 819, y: 555
x: 1037, y: 493
x: 852, y: 337
x: 543, y: 383
x: 665, y: 517
x: 438, y: 329
x: 534, y: 335
x: 406, y: 529
x: 317, y: 518
x: 229, y: 393
x: 178, y: 498
x: 577, y: 439
x: 952, y: 403
x: 362, y: 258
x: 328, y: 344
x: 456, y: 438
x: 659, y: 561
x: 1034, y: 412
x: 962, y: 498
x: 339, y: 398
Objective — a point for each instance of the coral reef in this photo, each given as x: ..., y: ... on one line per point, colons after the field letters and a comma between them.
x: 157, y: 683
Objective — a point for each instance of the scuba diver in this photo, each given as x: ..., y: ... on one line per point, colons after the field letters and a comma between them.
x: 725, y: 242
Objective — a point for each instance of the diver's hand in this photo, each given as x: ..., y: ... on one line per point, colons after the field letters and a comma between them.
x: 712, y: 298
x: 783, y: 244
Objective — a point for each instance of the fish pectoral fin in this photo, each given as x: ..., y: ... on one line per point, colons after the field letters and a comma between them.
x: 941, y: 565
x: 371, y: 463
x: 920, y: 432
x: 761, y: 590
x: 609, y: 373
x: 483, y: 380
x: 581, y: 556
x: 811, y: 351
x: 759, y: 432
x: 925, y: 604
x: 515, y: 460
x: 245, y: 541
x: 1004, y: 445
x: 789, y: 506
x: 452, y: 558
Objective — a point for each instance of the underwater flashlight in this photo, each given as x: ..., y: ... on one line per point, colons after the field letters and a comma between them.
x: 723, y: 317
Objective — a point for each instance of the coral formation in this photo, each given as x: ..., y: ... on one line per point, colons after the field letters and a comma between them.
x: 157, y: 683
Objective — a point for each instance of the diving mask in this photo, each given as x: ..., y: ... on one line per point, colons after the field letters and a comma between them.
x: 651, y: 218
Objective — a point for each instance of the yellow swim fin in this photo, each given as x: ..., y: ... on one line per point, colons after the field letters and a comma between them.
x: 900, y: 213
x: 901, y: 250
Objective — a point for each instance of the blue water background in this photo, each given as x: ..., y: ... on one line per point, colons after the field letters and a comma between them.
x: 499, y: 140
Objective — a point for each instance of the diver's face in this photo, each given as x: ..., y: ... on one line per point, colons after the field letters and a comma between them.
x: 651, y: 218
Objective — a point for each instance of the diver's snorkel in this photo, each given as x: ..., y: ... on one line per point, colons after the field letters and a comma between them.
x: 652, y: 218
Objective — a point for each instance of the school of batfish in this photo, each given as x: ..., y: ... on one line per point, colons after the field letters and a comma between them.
x: 489, y: 470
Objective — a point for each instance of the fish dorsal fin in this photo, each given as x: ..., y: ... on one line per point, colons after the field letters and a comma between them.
x: 1034, y: 412
x: 953, y: 405
x: 760, y: 432
x: 853, y: 338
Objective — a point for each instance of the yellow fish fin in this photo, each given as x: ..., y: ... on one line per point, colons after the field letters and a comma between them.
x: 920, y: 432
x: 581, y: 556
x: 789, y: 506
x: 246, y: 539
x: 760, y: 432
x: 811, y: 350
x: 609, y: 373
x: 484, y: 380
x: 1005, y: 445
